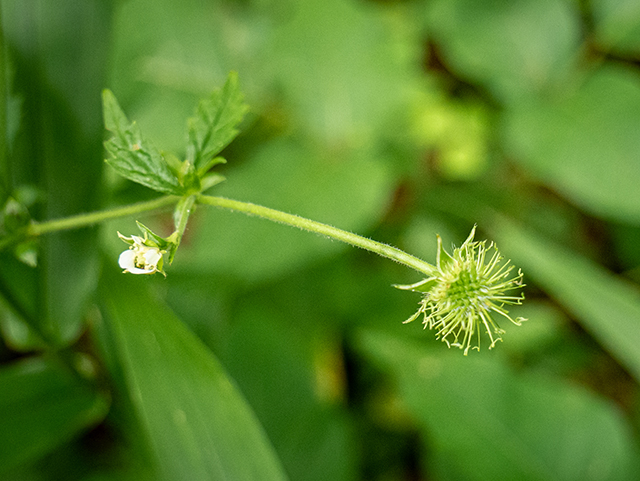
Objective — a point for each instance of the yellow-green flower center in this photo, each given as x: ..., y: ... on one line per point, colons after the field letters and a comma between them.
x: 461, y: 297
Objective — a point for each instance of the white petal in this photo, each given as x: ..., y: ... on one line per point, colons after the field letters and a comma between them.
x: 127, y: 259
x: 151, y: 257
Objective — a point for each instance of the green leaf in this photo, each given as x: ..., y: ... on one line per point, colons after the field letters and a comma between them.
x: 131, y: 155
x: 617, y: 25
x: 606, y: 305
x: 585, y: 144
x: 276, y: 360
x: 199, y: 426
x: 338, y: 68
x: 17, y: 333
x: 4, y: 165
x: 513, y: 48
x: 43, y: 405
x: 20, y: 322
x: 56, y: 147
x: 215, y: 124
x: 486, y: 422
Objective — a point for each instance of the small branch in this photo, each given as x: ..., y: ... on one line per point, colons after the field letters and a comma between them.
x: 383, y: 250
x: 36, y: 229
x: 84, y: 220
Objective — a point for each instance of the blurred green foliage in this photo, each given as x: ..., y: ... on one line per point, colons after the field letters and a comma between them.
x: 270, y: 353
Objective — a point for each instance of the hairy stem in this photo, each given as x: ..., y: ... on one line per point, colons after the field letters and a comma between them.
x: 84, y: 220
x: 383, y: 250
x: 185, y: 206
x: 36, y: 229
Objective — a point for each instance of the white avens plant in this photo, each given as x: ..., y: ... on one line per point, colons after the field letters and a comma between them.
x: 462, y: 294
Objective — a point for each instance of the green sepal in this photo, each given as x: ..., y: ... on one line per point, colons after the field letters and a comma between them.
x: 132, y: 156
x: 159, y: 266
x: 212, y: 163
x: 171, y: 252
x: 172, y: 247
x: 157, y: 241
x: 214, y: 125
x: 210, y: 180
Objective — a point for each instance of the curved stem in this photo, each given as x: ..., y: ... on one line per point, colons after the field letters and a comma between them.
x: 83, y: 220
x: 383, y: 250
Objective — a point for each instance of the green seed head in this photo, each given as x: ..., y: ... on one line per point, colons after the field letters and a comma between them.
x: 467, y: 288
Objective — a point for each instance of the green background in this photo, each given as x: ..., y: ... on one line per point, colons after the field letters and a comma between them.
x: 270, y: 353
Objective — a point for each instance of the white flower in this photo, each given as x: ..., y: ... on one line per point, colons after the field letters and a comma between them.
x: 140, y: 258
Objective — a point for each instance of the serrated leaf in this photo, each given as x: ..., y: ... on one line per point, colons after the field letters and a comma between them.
x: 132, y: 156
x: 214, y: 126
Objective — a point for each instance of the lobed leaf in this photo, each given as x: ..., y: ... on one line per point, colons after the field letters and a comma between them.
x: 131, y: 155
x: 214, y: 126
